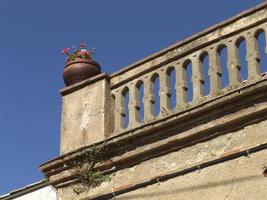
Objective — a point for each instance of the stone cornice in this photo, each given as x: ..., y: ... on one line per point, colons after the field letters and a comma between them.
x: 89, y: 81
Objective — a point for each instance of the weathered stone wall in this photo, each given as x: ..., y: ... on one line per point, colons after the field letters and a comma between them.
x: 240, y: 178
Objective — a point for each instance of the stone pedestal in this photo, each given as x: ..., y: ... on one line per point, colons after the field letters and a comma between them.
x: 87, y: 116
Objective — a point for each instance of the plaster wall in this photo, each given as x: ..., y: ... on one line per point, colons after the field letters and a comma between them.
x: 239, y: 179
x: 46, y: 193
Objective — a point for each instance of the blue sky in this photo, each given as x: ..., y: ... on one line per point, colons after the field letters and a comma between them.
x: 32, y: 34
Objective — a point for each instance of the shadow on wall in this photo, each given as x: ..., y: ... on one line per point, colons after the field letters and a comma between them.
x: 189, y: 189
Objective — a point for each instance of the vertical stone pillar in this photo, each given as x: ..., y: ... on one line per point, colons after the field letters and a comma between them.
x: 164, y: 92
x: 87, y: 113
x: 134, y: 105
x: 149, y: 99
x: 233, y: 64
x: 119, y: 111
x: 252, y: 57
x: 215, y: 72
x: 265, y: 34
x: 181, y: 86
x: 197, y: 79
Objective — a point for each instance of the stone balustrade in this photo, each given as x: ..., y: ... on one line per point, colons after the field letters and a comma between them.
x: 127, y: 84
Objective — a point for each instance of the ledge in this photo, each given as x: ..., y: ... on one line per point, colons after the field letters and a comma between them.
x: 89, y: 81
x: 242, y: 106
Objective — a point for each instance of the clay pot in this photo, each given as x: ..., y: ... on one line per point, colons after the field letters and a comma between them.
x: 80, y: 69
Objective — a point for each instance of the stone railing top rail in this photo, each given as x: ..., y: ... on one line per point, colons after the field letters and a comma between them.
x: 238, y: 23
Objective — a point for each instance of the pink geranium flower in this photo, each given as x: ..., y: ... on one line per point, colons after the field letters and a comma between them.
x: 82, y: 45
x: 85, y: 53
x: 65, y: 51
x: 79, y: 53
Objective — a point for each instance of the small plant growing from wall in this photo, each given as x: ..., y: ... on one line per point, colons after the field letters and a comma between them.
x: 86, y: 175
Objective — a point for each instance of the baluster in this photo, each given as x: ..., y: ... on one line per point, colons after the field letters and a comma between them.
x: 134, y: 105
x: 233, y: 64
x: 197, y: 79
x: 181, y: 86
x: 149, y: 99
x: 164, y: 92
x: 265, y: 34
x: 119, y: 111
x: 252, y: 57
x: 215, y: 72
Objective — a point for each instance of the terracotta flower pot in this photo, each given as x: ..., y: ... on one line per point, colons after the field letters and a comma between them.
x: 79, y: 70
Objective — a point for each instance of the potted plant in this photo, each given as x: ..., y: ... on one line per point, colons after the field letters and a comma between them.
x: 80, y: 65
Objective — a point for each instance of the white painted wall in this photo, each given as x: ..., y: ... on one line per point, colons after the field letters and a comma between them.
x: 46, y: 193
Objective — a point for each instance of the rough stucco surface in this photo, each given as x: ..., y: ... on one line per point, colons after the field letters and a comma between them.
x: 239, y: 179
x: 46, y: 193
x: 238, y: 175
x: 83, y: 119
